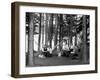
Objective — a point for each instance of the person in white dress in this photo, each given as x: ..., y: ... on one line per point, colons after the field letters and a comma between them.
x: 65, y: 48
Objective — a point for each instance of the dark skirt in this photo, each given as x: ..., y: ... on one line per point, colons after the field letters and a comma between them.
x: 47, y: 54
x: 65, y: 53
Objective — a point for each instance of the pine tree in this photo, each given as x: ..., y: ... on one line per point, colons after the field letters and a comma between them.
x: 31, y: 39
x: 39, y: 39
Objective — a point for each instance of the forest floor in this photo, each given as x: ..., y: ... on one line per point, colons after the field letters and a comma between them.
x: 57, y: 61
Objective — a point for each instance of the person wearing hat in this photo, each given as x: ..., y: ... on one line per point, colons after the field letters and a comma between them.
x: 45, y: 51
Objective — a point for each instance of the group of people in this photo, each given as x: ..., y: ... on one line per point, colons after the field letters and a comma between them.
x: 66, y: 51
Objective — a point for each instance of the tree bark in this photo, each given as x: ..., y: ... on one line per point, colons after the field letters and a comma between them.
x: 84, y: 40
x: 39, y: 34
x: 60, y: 32
x: 51, y: 30
x: 42, y: 29
x: 31, y: 40
x: 46, y: 29
x: 56, y: 27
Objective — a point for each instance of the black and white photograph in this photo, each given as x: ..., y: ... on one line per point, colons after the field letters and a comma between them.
x: 52, y: 39
x: 57, y: 39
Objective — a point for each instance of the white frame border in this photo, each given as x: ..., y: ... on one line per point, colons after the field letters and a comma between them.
x: 53, y: 69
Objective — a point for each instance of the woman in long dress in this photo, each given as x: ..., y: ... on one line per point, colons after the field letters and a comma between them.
x: 65, y: 49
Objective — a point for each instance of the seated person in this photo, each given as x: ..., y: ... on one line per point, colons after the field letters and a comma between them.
x: 72, y: 49
x: 45, y: 52
x: 75, y: 52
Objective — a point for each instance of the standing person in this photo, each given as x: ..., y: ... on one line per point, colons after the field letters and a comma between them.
x: 65, y: 48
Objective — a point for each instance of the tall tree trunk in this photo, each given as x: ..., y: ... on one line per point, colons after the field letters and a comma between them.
x: 51, y: 30
x: 39, y: 34
x: 84, y: 40
x: 56, y: 27
x: 42, y: 29
x: 46, y: 29
x: 60, y: 29
x: 31, y: 40
x: 70, y: 33
x: 76, y: 38
x: 58, y: 32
